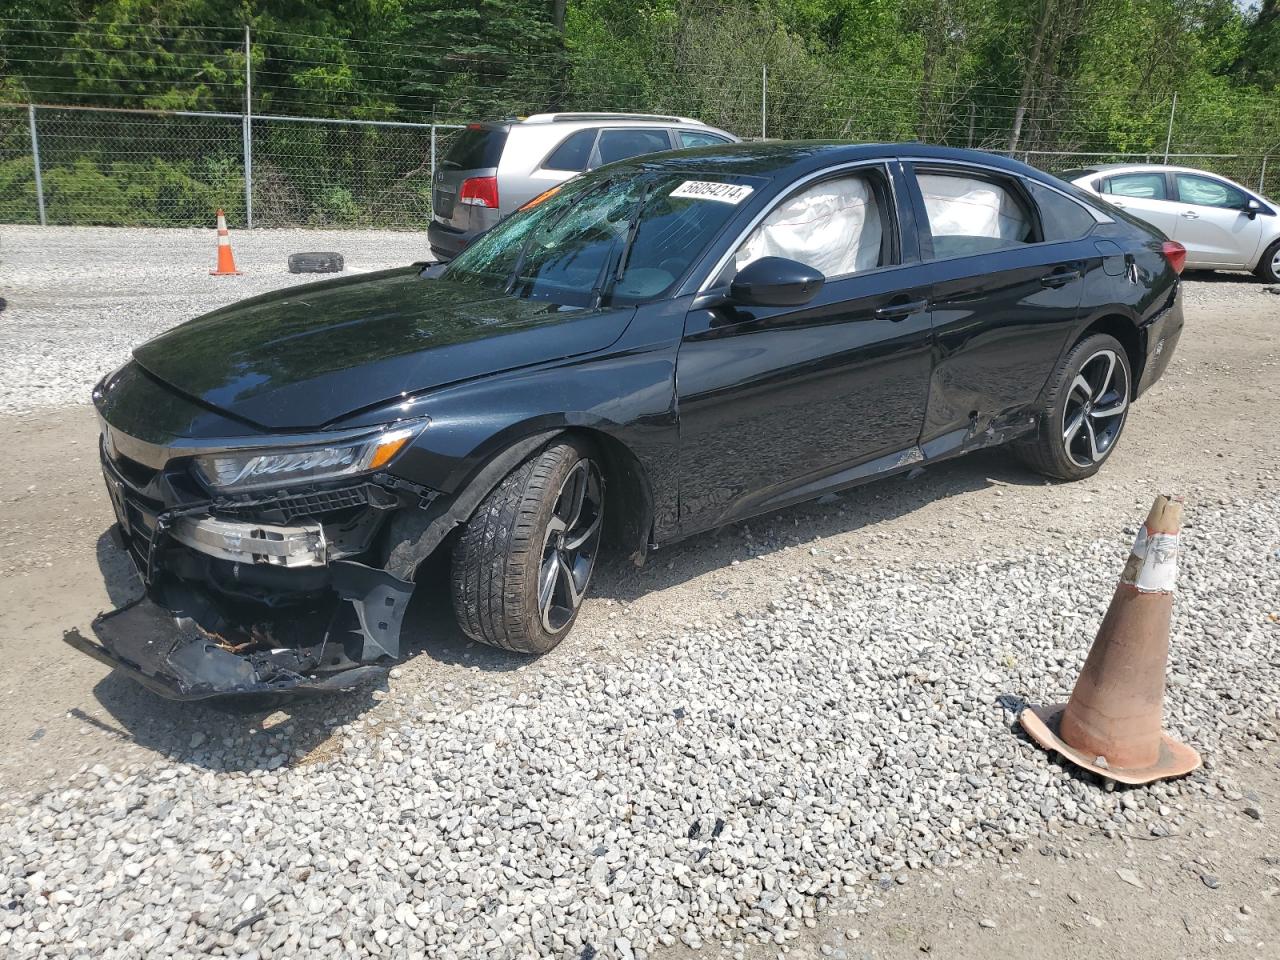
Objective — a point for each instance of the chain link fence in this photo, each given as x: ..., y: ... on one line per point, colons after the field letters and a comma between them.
x: 127, y: 167
x: 82, y: 165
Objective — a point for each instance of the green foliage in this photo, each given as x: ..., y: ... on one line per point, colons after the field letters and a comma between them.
x: 1033, y: 76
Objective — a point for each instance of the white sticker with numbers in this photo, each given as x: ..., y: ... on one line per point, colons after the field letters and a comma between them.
x: 710, y: 190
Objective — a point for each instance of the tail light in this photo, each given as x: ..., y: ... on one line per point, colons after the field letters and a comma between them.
x: 1175, y: 253
x: 480, y: 192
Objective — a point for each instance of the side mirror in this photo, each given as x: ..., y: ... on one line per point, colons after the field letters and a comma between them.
x: 775, y: 282
x: 1252, y: 208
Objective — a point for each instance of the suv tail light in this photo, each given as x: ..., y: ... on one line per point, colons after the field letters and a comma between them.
x: 480, y: 192
x: 1175, y: 253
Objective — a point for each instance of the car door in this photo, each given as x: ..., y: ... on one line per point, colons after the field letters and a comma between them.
x: 1213, y: 223
x: 1147, y: 194
x: 1005, y: 296
x: 777, y: 404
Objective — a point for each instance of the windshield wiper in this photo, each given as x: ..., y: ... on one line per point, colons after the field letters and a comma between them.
x: 601, y: 289
x: 514, y: 275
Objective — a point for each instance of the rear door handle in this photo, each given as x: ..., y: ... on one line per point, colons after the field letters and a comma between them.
x: 1059, y: 279
x: 900, y: 311
x: 1190, y: 215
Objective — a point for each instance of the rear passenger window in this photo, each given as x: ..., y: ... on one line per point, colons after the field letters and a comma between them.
x: 621, y: 144
x: 1061, y: 218
x: 836, y: 227
x: 1140, y: 186
x: 573, y: 153
x: 693, y: 138
x: 970, y: 215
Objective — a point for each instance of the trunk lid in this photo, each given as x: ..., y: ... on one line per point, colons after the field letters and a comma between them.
x: 475, y: 152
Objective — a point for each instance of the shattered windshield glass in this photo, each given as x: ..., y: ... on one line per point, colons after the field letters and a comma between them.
x: 619, y: 237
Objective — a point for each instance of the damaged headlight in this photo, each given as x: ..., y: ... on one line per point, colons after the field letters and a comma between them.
x: 250, y: 469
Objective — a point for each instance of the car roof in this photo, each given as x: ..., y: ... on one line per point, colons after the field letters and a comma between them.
x: 792, y: 158
x: 1097, y: 168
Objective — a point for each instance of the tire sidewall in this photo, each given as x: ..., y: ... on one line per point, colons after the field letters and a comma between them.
x: 569, y: 454
x: 1265, y: 269
x: 1052, y: 430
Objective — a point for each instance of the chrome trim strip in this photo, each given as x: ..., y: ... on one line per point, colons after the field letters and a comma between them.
x: 157, y: 456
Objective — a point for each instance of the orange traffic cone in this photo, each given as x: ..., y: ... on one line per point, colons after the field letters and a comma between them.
x: 1112, y: 723
x: 226, y: 262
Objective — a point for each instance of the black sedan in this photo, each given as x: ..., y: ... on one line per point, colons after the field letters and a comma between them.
x: 655, y: 349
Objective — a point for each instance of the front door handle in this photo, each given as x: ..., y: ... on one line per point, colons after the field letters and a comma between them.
x: 900, y: 311
x: 1060, y: 279
x: 1190, y: 215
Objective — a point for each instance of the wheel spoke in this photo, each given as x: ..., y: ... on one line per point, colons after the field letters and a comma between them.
x: 576, y: 540
x: 1072, y: 428
x: 571, y: 589
x: 1081, y: 384
x: 1117, y: 405
x: 547, y: 577
x: 1094, y: 452
x: 1105, y: 382
x: 575, y: 493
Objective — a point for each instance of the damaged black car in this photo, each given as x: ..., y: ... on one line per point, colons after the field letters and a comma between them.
x: 654, y: 349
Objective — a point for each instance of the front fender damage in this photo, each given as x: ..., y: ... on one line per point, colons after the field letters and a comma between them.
x: 179, y: 643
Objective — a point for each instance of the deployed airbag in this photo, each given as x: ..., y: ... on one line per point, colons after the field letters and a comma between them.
x: 834, y: 227
x: 966, y: 207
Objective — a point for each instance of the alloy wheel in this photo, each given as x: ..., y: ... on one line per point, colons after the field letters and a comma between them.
x: 1275, y: 263
x: 1095, y: 411
x: 570, y: 546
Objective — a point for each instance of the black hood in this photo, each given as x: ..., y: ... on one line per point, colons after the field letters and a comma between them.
x: 306, y: 356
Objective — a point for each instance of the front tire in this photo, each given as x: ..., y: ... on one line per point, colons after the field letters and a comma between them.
x: 524, y: 560
x: 1269, y: 266
x: 1085, y: 411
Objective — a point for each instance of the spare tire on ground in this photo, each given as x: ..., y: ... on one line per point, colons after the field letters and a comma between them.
x: 315, y: 263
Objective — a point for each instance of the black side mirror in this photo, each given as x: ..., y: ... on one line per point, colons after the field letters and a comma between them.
x: 775, y: 282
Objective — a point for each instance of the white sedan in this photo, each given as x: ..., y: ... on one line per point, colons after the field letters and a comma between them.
x: 1223, y: 225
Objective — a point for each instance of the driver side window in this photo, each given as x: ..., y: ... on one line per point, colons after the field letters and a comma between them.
x: 1208, y: 193
x: 836, y: 227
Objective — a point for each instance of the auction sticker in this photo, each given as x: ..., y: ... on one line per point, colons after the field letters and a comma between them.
x: 710, y: 190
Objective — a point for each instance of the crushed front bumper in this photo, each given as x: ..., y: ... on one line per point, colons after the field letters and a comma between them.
x: 186, y: 649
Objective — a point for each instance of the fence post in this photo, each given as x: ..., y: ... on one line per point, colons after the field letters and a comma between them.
x: 247, y: 129
x: 764, y: 101
x: 35, y: 159
x: 1262, y: 177
x: 1168, y: 139
x: 433, y: 159
x: 973, y: 116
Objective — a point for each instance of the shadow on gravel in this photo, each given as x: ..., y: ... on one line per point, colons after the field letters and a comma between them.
x: 864, y: 506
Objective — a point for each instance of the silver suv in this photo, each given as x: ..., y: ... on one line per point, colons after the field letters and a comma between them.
x: 493, y: 168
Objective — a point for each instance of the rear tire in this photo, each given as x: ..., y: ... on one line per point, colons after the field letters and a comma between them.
x: 1269, y: 266
x: 524, y: 560
x: 1085, y: 410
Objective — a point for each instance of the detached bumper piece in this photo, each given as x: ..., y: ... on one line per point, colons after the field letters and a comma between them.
x: 184, y: 647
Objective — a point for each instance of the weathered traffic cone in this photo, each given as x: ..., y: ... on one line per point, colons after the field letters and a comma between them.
x: 1111, y: 725
x: 226, y: 262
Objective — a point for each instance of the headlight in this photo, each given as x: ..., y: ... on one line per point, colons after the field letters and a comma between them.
x: 250, y: 469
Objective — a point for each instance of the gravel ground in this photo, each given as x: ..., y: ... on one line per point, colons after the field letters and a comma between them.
x: 793, y: 735
x: 79, y: 298
x: 722, y: 784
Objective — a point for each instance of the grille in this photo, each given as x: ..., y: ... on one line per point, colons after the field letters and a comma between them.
x: 304, y: 504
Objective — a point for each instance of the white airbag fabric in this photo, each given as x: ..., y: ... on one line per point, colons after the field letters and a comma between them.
x: 961, y: 207
x: 833, y: 227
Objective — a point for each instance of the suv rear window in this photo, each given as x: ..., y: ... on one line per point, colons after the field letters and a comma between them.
x: 476, y: 147
x: 574, y: 153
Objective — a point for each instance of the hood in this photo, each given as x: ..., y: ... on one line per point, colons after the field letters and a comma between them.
x: 305, y: 356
